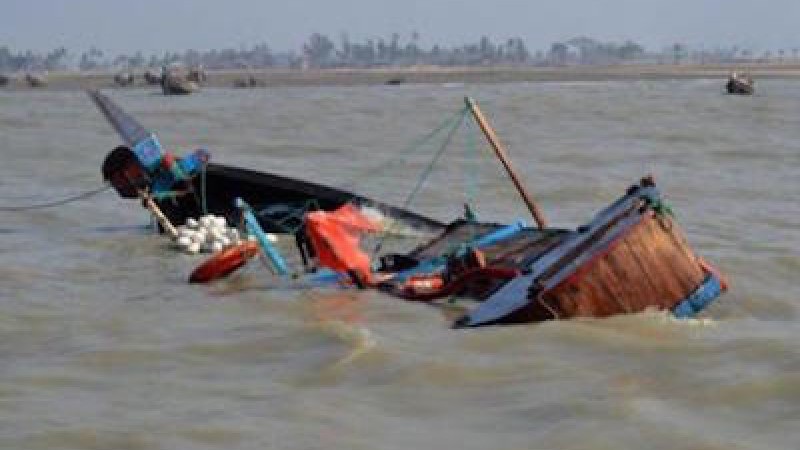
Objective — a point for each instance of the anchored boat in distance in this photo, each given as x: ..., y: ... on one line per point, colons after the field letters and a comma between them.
x: 740, y: 83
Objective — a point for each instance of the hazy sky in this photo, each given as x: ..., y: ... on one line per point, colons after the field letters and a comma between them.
x: 156, y: 25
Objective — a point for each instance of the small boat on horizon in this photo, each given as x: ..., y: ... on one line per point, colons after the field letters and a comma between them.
x: 739, y: 83
x: 176, y: 79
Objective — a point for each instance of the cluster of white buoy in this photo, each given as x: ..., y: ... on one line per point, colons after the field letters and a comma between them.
x: 206, y: 234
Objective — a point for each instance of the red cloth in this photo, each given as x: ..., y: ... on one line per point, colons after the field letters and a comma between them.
x: 336, y: 237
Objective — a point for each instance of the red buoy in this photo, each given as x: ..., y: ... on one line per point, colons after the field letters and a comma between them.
x: 224, y: 262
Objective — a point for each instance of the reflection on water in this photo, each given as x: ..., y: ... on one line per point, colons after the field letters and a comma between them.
x: 105, y: 345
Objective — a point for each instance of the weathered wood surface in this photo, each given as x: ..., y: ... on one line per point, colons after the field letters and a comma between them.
x: 494, y: 141
x: 649, y: 266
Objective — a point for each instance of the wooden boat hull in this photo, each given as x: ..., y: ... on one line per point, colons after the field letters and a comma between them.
x: 279, y: 201
x: 632, y: 257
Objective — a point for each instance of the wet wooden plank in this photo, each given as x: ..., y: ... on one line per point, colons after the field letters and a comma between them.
x: 679, y: 257
x: 648, y: 267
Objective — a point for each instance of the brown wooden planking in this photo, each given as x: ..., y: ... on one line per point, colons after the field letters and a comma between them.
x: 637, y: 289
x: 602, y: 280
x: 680, y: 273
x: 654, y: 264
x: 647, y: 286
x: 680, y: 241
x: 622, y: 290
x: 667, y: 271
x: 599, y: 290
x: 660, y: 269
x: 650, y: 266
x: 682, y: 262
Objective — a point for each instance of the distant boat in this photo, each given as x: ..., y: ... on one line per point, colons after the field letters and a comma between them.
x: 35, y: 80
x: 176, y: 81
x: 396, y: 80
x: 153, y: 76
x: 249, y: 82
x: 741, y: 84
x: 124, y: 79
x: 177, y: 86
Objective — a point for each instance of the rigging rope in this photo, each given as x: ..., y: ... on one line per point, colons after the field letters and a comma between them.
x: 403, y: 155
x: 426, y: 173
x: 70, y: 199
x: 471, y: 166
x: 456, y: 124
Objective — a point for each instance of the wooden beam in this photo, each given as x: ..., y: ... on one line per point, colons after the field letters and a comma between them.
x: 491, y: 136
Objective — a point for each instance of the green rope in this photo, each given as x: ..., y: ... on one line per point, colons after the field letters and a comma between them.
x: 309, y: 205
x: 426, y: 173
x: 456, y: 124
x: 73, y: 198
x: 662, y: 208
x: 403, y: 155
x: 471, y: 172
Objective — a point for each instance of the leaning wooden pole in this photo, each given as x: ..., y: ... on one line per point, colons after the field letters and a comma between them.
x: 491, y: 136
x: 151, y: 206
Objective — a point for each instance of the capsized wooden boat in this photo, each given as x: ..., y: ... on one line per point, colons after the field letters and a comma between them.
x: 191, y: 186
x: 742, y: 84
x: 631, y: 257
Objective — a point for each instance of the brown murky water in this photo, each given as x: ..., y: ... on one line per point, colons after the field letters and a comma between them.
x: 104, y: 345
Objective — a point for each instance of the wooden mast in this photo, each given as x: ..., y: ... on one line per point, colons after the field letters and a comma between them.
x: 501, y: 155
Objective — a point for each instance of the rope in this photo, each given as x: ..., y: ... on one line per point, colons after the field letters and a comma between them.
x: 425, y: 174
x: 402, y: 156
x: 421, y: 180
x: 70, y: 199
x: 297, y: 214
x: 471, y: 164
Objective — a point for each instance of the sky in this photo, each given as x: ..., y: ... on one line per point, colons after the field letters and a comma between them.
x: 154, y: 26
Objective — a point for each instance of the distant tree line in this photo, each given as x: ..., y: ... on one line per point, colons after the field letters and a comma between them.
x: 54, y: 60
x: 320, y: 51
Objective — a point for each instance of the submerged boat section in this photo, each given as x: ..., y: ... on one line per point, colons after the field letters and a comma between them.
x: 632, y: 256
x: 191, y: 186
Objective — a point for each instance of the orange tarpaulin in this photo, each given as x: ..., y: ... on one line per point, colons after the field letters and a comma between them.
x: 336, y: 236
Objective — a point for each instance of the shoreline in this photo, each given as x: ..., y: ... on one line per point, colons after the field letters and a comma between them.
x: 426, y: 75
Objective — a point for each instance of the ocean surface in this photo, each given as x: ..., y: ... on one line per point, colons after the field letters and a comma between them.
x: 103, y: 344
